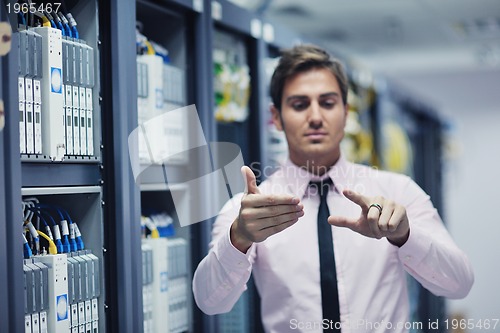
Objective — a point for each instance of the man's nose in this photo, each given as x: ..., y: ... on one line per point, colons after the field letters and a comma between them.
x: 315, y: 116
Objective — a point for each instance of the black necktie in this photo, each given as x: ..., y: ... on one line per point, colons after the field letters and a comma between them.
x: 329, y: 291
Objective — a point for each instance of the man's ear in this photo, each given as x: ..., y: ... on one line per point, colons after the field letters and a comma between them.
x: 346, y: 113
x: 276, y: 117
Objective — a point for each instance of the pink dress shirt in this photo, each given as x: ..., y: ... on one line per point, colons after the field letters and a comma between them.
x: 371, y: 273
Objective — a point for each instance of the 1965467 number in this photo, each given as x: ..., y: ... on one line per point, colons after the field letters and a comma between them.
x: 33, y: 7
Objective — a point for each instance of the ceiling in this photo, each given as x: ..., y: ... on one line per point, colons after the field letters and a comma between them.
x: 444, y: 51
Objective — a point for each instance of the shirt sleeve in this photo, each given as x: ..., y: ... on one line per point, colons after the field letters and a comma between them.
x: 221, y: 277
x: 430, y: 255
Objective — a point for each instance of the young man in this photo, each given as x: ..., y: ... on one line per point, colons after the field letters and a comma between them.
x: 381, y: 224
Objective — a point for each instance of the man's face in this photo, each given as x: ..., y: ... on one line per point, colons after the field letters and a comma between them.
x: 313, y: 116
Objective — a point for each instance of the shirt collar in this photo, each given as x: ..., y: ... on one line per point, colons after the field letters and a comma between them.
x: 297, y: 179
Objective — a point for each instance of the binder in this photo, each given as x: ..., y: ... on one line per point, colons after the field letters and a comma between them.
x: 23, y: 40
x: 52, y: 113
x: 76, y: 121
x: 30, y: 139
x: 68, y: 111
x: 37, y: 102
x: 68, y: 94
x: 83, y: 120
x: 87, y: 78
x: 90, y: 122
x: 22, y: 128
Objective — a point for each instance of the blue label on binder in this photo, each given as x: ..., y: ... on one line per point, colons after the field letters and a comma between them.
x: 62, y: 307
x: 56, y: 80
x: 163, y: 282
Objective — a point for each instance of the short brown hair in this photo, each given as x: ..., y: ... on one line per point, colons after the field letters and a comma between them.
x: 303, y: 58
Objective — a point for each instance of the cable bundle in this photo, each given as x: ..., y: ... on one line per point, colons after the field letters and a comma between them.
x: 61, y: 233
x: 33, y: 15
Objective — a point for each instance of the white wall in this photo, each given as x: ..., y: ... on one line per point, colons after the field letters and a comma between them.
x: 472, y: 199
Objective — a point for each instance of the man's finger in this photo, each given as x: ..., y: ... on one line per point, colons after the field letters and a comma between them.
x: 396, y: 218
x: 273, y: 211
x: 383, y: 219
x: 265, y: 233
x: 372, y: 218
x: 357, y: 198
x: 340, y: 221
x: 264, y: 200
x: 250, y: 181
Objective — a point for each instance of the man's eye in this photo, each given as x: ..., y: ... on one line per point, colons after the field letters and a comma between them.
x: 328, y: 104
x: 299, y: 106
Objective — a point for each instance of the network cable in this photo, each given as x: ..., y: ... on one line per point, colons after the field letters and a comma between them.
x: 34, y: 235
x: 148, y: 222
x: 32, y: 230
x: 63, y: 224
x: 45, y: 20
x: 40, y: 217
x: 61, y: 247
x: 72, y: 23
x: 65, y: 23
x: 52, y: 245
x: 22, y: 19
x: 59, y: 24
x: 51, y: 19
x: 31, y: 204
x: 75, y: 237
x: 26, y: 248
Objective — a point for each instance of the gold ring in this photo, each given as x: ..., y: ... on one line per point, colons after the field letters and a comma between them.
x: 376, y: 206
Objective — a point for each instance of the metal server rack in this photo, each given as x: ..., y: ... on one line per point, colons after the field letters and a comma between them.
x: 122, y: 193
x: 237, y: 34
x: 188, y: 41
x: 12, y: 308
x: 123, y: 248
x: 198, y: 21
x: 73, y: 179
x: 21, y: 176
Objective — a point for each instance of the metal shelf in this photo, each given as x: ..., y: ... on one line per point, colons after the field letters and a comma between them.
x: 60, y: 190
x: 163, y: 187
x: 60, y: 174
x: 38, y: 158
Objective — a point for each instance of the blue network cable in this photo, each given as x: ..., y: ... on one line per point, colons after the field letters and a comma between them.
x: 65, y: 23
x: 26, y: 248
x: 75, y: 237
x: 22, y: 19
x: 72, y: 23
x: 74, y: 231
x: 28, y: 215
x: 34, y: 235
x: 57, y: 19
x: 66, y: 243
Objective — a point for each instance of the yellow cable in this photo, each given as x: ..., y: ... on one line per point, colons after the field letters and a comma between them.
x: 155, y: 233
x: 52, y: 245
x: 151, y: 226
x: 151, y: 49
x: 46, y: 22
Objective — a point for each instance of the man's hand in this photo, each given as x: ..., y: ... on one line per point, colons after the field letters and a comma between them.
x: 391, y: 222
x: 262, y: 215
